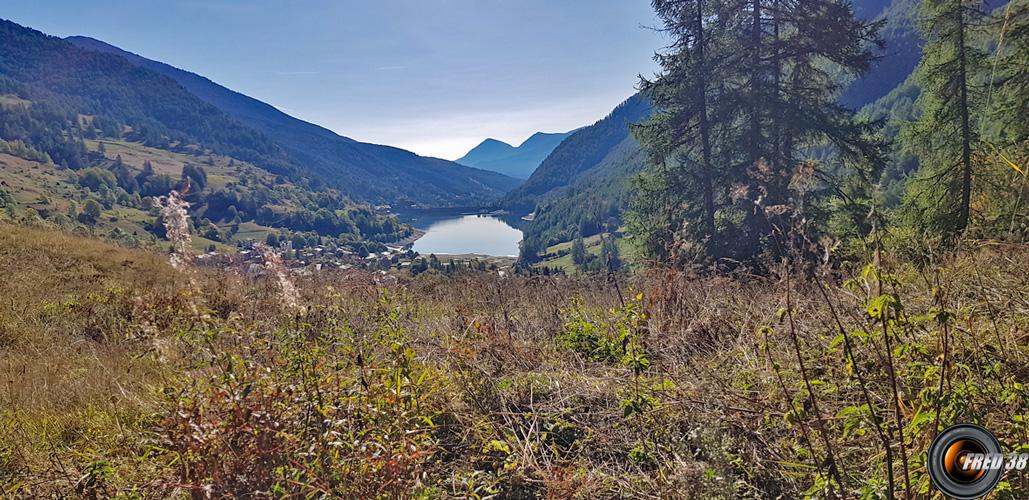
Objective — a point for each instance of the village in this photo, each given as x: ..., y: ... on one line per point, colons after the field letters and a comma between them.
x: 392, y: 259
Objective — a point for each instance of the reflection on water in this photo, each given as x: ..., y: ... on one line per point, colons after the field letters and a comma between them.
x: 457, y: 233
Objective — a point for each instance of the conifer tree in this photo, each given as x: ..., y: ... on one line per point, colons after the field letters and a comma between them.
x: 945, y: 138
x: 746, y: 94
x: 578, y: 251
x: 1012, y: 107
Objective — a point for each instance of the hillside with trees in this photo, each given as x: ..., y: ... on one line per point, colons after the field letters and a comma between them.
x: 65, y: 128
x: 150, y: 107
x: 776, y: 165
x: 815, y: 292
x: 63, y: 81
x: 367, y: 172
x: 883, y: 92
x: 584, y: 183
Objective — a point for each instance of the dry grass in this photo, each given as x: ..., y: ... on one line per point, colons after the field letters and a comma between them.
x: 476, y: 385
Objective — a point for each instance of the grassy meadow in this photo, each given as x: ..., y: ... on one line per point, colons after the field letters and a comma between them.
x: 125, y: 377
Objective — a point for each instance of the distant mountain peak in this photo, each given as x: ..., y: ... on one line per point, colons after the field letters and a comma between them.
x: 545, y: 136
x: 489, y: 145
x: 519, y: 162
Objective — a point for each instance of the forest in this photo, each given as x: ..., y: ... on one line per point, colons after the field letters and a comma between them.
x: 779, y: 113
x: 748, y: 129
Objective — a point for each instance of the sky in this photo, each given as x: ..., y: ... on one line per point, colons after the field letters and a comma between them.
x: 432, y: 76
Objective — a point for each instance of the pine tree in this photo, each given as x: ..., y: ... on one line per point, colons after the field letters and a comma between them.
x: 610, y: 255
x: 678, y: 136
x: 578, y: 251
x: 1012, y: 99
x: 746, y: 95
x: 944, y: 138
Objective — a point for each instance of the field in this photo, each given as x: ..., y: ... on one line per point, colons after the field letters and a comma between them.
x: 50, y: 190
x: 219, y: 171
x: 562, y: 257
x: 124, y: 376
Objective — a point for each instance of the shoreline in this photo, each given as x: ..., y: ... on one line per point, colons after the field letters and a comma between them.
x: 416, y: 234
x: 408, y: 217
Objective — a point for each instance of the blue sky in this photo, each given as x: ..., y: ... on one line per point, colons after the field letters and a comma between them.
x: 432, y: 76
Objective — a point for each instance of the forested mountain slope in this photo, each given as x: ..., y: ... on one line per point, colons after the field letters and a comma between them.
x: 90, y: 142
x: 364, y: 171
x: 585, y: 180
x: 582, y: 152
x: 64, y: 82
x: 902, y: 48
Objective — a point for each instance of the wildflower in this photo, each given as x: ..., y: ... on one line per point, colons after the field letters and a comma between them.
x: 273, y: 262
x: 176, y: 224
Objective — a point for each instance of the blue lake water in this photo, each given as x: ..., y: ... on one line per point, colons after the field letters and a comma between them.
x: 454, y: 232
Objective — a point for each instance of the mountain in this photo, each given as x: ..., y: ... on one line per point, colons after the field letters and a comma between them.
x: 364, y: 171
x: 89, y: 141
x: 518, y: 162
x: 66, y: 84
x: 584, y: 182
x: 901, y: 51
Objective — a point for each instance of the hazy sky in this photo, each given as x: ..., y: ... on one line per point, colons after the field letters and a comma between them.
x: 432, y: 76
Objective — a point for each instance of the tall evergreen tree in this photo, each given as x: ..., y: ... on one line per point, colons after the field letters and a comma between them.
x: 610, y: 256
x: 1012, y: 107
x: 678, y: 136
x: 579, y: 251
x: 746, y: 95
x: 944, y: 137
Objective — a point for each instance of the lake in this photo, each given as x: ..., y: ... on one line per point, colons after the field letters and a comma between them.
x: 455, y: 231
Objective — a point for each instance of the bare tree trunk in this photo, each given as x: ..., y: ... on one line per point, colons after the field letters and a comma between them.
x: 755, y: 82
x: 705, y: 131
x: 966, y: 134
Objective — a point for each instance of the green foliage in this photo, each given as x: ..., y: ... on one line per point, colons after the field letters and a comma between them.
x: 610, y: 256
x: 91, y: 212
x: 578, y: 251
x: 97, y: 178
x: 1011, y: 105
x: 197, y: 176
x: 21, y: 150
x: 944, y: 137
x: 583, y: 185
x: 6, y: 200
x: 731, y: 162
x: 965, y: 138
x: 592, y: 340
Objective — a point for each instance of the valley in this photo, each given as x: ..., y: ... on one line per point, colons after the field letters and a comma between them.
x: 782, y: 247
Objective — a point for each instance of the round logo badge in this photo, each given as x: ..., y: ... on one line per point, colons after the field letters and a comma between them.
x: 965, y: 461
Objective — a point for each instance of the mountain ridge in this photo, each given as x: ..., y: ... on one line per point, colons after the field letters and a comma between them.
x: 370, y: 172
x: 515, y: 161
